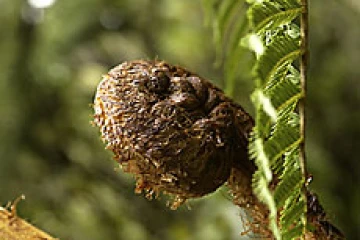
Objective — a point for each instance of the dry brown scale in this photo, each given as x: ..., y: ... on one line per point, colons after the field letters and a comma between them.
x: 175, y: 131
x: 179, y: 134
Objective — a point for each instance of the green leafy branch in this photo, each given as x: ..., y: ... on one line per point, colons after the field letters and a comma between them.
x: 276, y: 139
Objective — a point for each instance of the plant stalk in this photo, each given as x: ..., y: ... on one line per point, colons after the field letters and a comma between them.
x: 315, y: 214
x: 304, y: 25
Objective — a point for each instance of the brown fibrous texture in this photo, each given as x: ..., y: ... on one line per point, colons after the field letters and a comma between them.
x: 173, y: 130
x: 179, y: 134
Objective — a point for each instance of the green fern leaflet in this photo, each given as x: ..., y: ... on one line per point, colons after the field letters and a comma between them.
x: 274, y: 145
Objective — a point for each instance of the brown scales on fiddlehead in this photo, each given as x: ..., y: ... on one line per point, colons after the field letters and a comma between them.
x: 175, y: 131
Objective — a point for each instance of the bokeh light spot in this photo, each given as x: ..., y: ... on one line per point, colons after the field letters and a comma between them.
x: 41, y: 3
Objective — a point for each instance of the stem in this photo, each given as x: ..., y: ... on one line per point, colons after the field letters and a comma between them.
x: 304, y: 24
x: 314, y: 212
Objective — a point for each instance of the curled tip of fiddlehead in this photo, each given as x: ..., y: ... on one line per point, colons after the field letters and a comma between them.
x: 173, y: 130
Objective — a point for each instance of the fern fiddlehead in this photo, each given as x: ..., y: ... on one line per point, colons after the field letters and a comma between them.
x: 175, y: 131
x: 179, y: 134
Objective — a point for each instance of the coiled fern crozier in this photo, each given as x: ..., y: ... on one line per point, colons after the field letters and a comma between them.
x: 180, y: 135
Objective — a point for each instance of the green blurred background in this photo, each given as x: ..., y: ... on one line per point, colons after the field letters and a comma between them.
x: 52, y: 55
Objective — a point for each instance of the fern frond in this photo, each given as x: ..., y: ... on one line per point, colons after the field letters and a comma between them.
x: 286, y: 187
x: 283, y: 93
x: 229, y: 24
x: 227, y: 8
x: 292, y: 212
x: 282, y: 141
x: 293, y: 232
x: 278, y: 82
x: 261, y: 181
x: 275, y: 140
x: 235, y: 57
x: 271, y: 14
x: 280, y: 51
